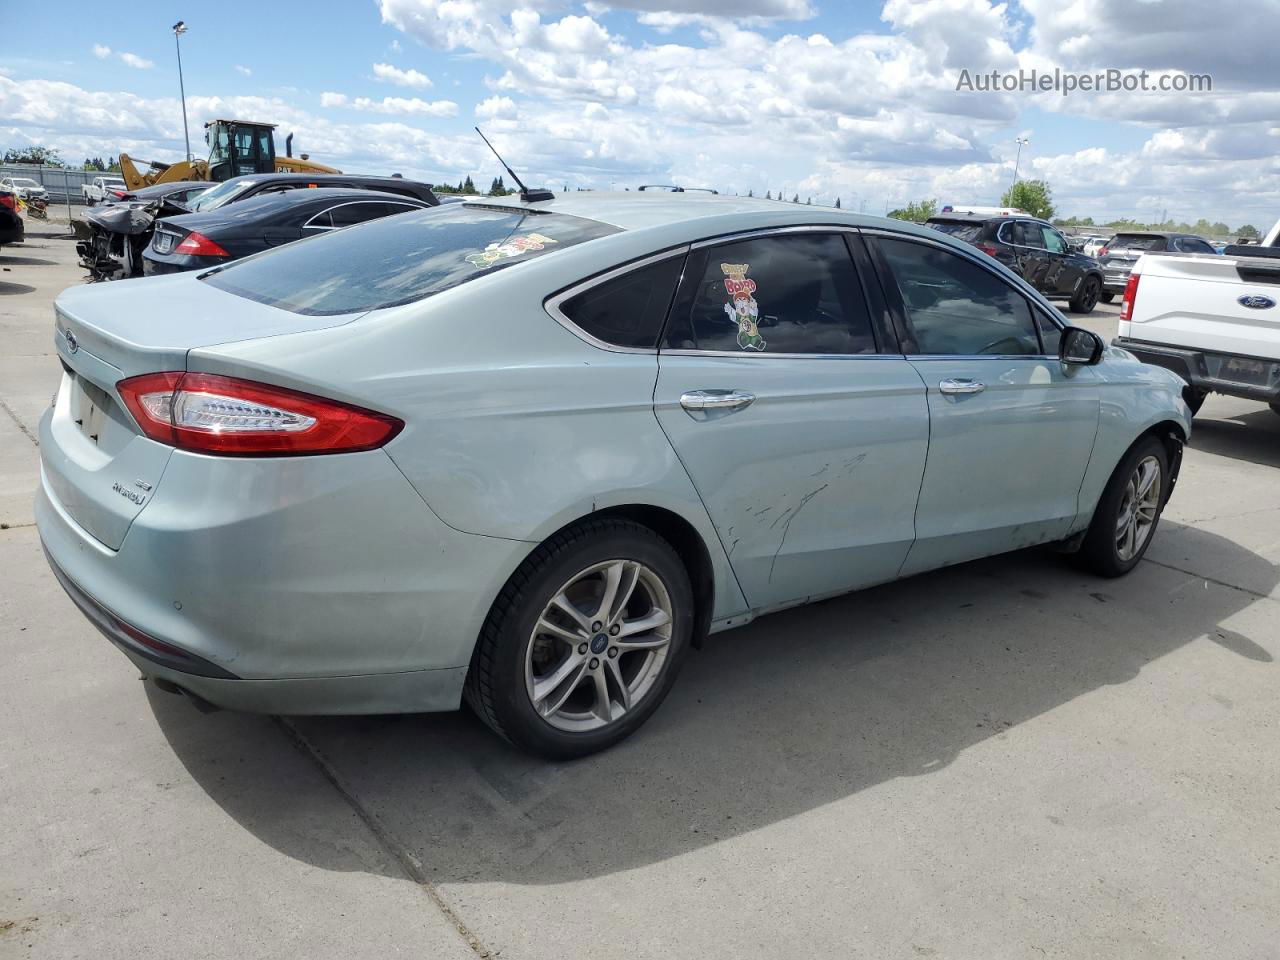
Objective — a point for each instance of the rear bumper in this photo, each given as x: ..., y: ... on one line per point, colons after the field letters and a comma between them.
x: 153, y: 266
x: 1207, y: 370
x: 309, y: 586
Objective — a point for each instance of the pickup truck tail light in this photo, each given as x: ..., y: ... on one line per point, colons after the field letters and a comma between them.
x: 1102, y: 252
x: 227, y: 416
x: 1130, y: 295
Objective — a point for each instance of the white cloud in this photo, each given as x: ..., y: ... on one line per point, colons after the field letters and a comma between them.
x: 101, y: 52
x: 137, y: 62
x: 401, y: 78
x: 242, y: 69
x: 391, y: 105
x: 496, y: 108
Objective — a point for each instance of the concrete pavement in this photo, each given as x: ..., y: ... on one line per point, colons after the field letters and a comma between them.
x: 1005, y: 759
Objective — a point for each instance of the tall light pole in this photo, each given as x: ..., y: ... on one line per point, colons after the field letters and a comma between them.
x: 1021, y: 141
x: 179, y: 29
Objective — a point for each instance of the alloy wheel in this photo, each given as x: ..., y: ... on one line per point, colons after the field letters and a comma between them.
x: 1139, y: 508
x: 598, y: 646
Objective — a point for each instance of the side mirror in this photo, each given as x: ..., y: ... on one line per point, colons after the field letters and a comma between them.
x: 1080, y: 347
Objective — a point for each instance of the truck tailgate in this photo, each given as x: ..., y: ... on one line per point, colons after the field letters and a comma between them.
x: 1200, y: 303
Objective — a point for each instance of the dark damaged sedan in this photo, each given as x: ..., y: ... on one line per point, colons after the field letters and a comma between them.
x: 199, y: 240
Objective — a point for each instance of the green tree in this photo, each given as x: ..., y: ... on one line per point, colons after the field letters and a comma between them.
x: 837, y: 203
x: 38, y: 155
x: 468, y: 185
x: 750, y: 193
x: 768, y: 195
x: 1249, y: 230
x: 917, y: 211
x: 1032, y: 196
x: 796, y: 198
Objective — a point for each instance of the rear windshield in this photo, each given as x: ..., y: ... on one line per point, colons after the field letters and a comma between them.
x: 215, y: 197
x: 1136, y: 241
x: 401, y: 259
x: 960, y: 229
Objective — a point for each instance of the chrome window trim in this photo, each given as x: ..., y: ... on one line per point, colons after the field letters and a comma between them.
x: 766, y: 355
x: 554, y: 303
x: 772, y: 231
x: 399, y: 201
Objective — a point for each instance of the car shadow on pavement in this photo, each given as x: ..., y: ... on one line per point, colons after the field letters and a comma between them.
x: 8, y: 289
x: 6, y: 260
x: 1253, y: 436
x: 767, y: 722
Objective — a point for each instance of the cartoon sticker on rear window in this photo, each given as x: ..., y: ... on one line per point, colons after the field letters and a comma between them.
x: 508, y: 248
x: 742, y: 308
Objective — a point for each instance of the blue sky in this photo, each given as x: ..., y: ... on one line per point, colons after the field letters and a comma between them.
x: 823, y: 99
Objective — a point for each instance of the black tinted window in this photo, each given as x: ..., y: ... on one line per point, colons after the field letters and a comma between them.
x: 399, y: 260
x: 795, y: 293
x: 346, y: 214
x: 1132, y: 241
x: 960, y: 229
x: 954, y: 307
x: 627, y: 311
x: 1029, y: 234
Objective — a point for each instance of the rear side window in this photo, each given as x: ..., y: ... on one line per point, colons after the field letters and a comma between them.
x: 961, y: 230
x: 398, y: 260
x: 792, y: 293
x: 627, y: 311
x: 1131, y: 241
x: 955, y: 307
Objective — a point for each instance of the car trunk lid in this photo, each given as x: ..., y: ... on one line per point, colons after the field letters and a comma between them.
x: 96, y: 461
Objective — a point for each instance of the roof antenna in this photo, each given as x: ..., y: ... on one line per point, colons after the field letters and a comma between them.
x: 527, y: 195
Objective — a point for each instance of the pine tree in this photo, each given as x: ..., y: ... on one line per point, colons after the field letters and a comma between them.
x: 808, y: 202
x: 796, y: 198
x: 750, y: 193
x: 837, y: 203
x: 768, y: 195
x: 468, y: 185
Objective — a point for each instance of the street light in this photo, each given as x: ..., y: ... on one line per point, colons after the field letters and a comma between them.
x: 1020, y: 141
x: 179, y: 29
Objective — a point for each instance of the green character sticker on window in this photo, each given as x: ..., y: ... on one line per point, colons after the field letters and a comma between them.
x: 742, y: 308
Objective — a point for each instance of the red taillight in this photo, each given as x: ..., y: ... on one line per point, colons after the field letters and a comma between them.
x: 224, y: 415
x: 1102, y: 252
x: 1130, y: 295
x: 120, y: 194
x: 198, y: 245
x: 986, y: 248
x: 8, y: 200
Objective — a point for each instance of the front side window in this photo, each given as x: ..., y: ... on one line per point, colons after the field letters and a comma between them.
x: 791, y: 293
x: 1050, y: 333
x: 955, y: 307
x: 629, y: 310
x: 1053, y: 241
x: 397, y: 260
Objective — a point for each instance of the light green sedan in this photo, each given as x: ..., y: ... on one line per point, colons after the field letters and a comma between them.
x: 529, y: 452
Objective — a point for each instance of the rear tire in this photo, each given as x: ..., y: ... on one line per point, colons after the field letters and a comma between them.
x: 1087, y: 298
x: 616, y: 670
x: 1128, y: 511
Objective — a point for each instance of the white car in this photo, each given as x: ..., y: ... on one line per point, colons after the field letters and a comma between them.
x: 25, y: 187
x: 102, y: 188
x: 1213, y: 319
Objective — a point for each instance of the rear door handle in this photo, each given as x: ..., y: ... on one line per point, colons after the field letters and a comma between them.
x: 704, y: 404
x: 961, y: 385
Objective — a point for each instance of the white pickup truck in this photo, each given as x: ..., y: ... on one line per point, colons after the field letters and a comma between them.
x: 102, y: 188
x: 1213, y: 320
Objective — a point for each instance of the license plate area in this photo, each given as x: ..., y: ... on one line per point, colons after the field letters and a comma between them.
x: 97, y: 417
x: 164, y: 242
x: 1242, y: 370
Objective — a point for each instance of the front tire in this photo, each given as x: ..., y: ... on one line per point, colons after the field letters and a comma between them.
x: 584, y: 641
x: 1087, y: 297
x: 1107, y: 296
x: 1128, y: 511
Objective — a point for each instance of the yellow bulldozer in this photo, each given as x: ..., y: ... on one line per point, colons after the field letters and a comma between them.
x: 236, y: 147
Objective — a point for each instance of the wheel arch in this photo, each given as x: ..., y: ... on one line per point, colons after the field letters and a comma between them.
x: 683, y: 536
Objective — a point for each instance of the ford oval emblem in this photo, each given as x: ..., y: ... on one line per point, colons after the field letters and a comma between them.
x: 72, y: 344
x: 1255, y: 302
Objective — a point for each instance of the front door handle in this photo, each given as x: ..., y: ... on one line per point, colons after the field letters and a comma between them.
x: 961, y: 386
x: 704, y: 404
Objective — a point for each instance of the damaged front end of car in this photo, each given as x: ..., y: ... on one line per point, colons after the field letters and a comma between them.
x: 110, y: 239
